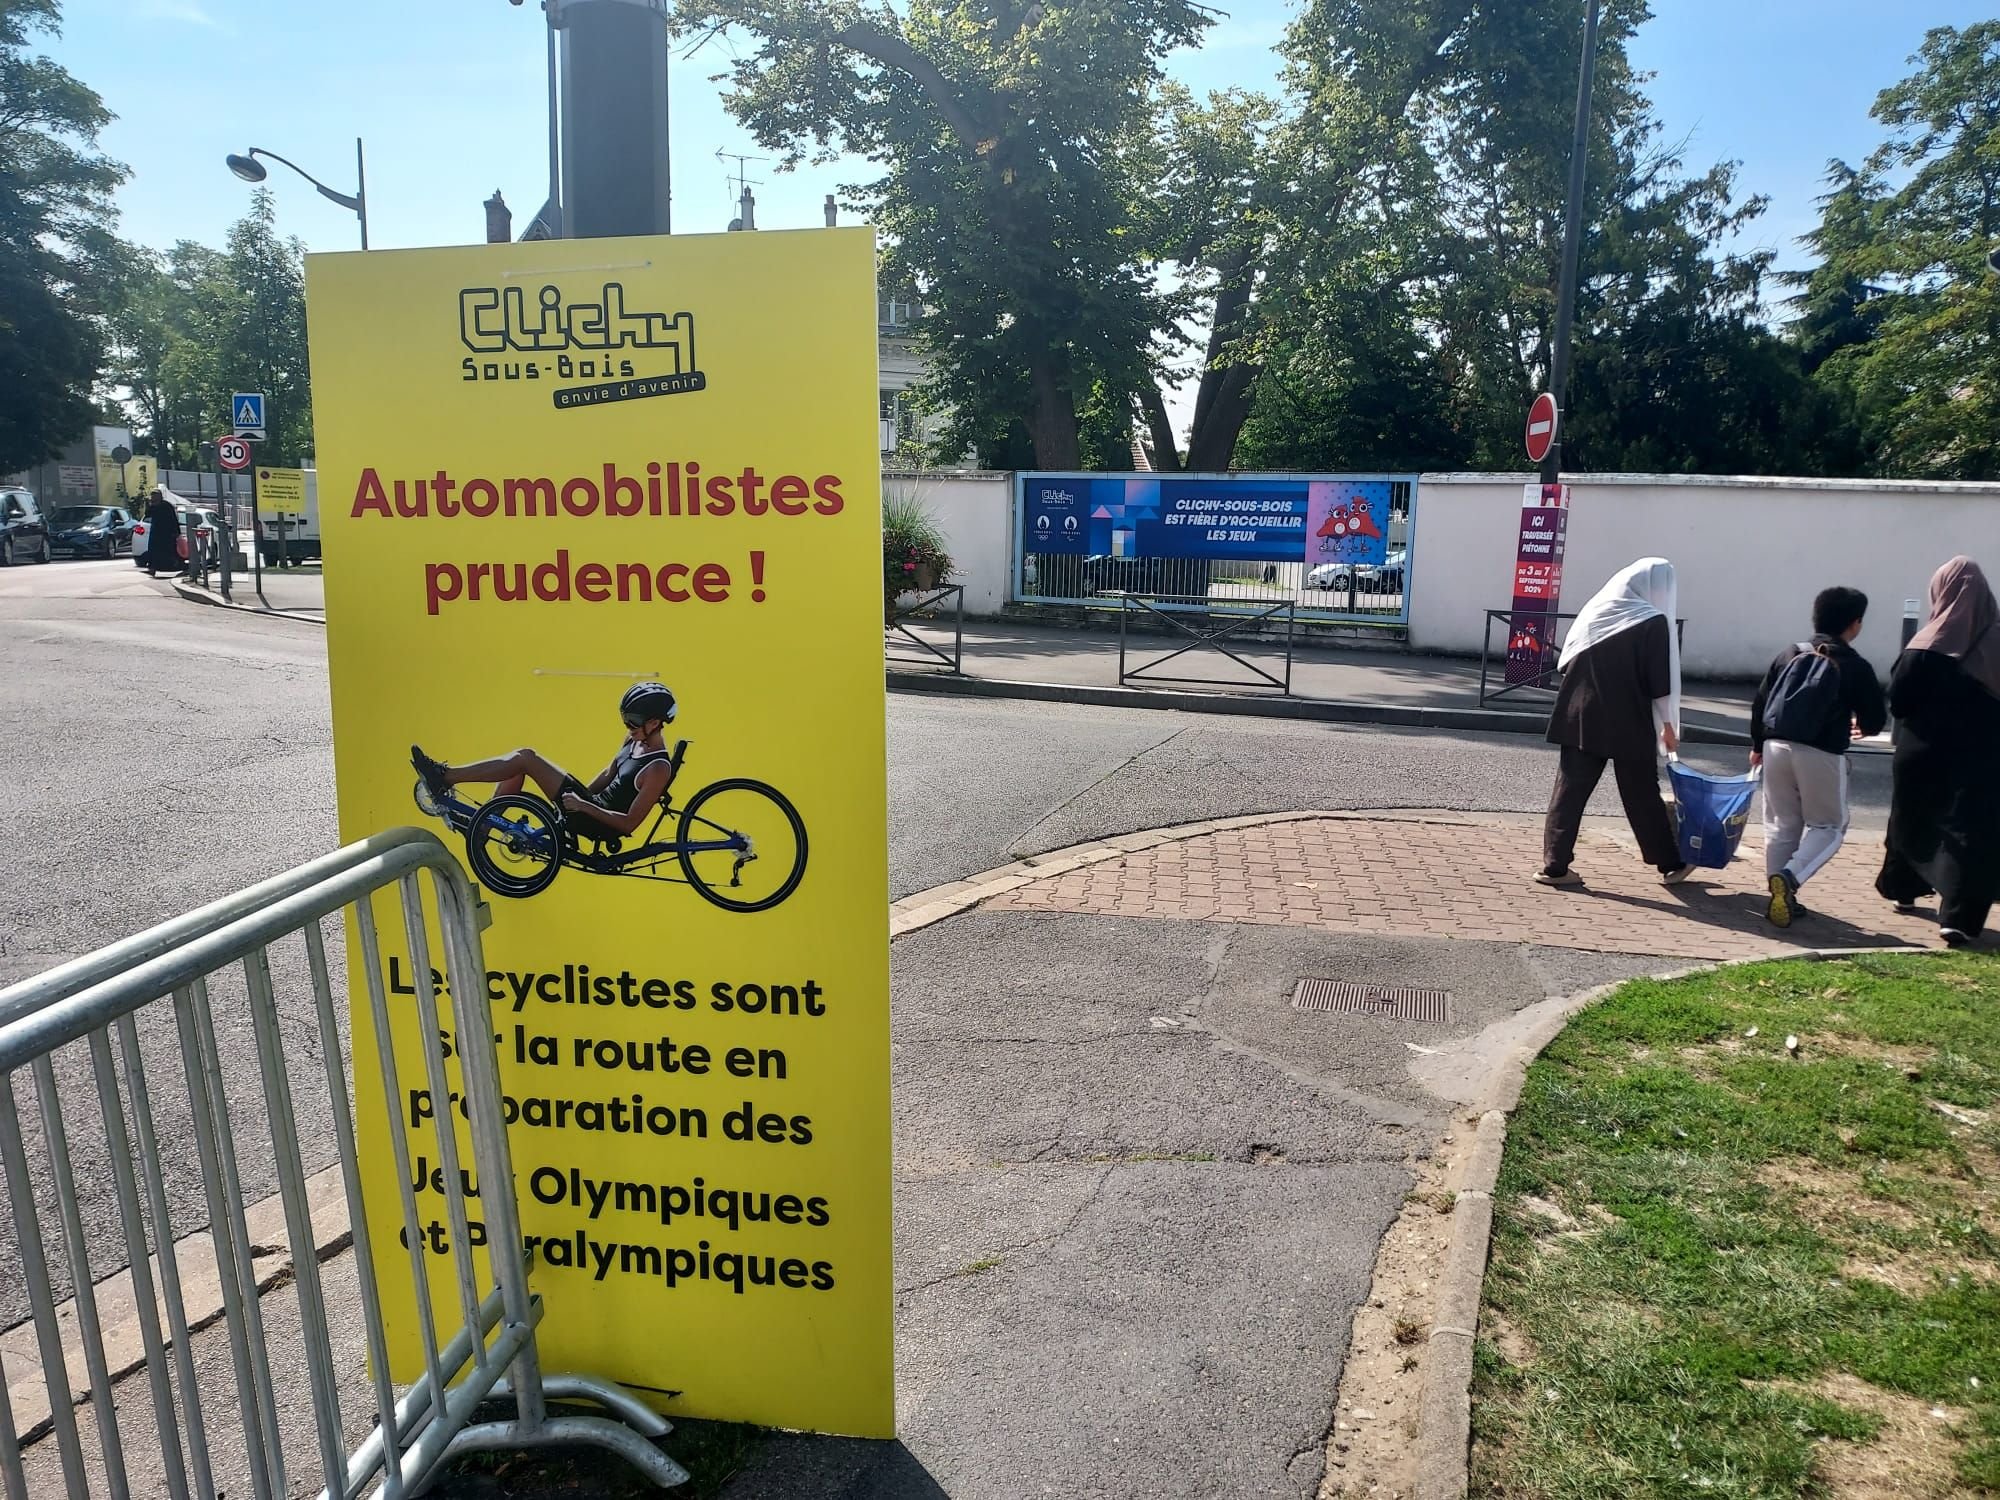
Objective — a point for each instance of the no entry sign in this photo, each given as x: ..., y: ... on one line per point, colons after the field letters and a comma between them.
x: 1541, y: 427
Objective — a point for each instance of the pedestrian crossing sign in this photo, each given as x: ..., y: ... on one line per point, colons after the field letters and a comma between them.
x: 246, y: 414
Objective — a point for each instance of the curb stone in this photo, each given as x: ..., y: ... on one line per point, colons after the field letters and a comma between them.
x: 195, y: 594
x: 1444, y: 1422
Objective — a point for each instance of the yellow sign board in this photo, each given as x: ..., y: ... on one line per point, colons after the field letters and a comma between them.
x: 643, y: 468
x: 120, y: 484
x: 280, y: 492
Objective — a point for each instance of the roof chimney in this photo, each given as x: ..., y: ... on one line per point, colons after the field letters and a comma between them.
x: 499, y: 220
x: 832, y: 212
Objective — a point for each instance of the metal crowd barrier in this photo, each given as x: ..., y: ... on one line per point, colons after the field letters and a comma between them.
x: 96, y: 1006
x: 1536, y: 671
x: 1219, y: 624
x: 928, y: 653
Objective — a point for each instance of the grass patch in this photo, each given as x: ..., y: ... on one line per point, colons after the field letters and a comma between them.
x: 1721, y: 1269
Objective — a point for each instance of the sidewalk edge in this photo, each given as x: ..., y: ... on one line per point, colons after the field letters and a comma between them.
x: 195, y: 594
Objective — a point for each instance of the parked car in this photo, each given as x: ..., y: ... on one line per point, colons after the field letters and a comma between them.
x: 192, y: 517
x: 23, y: 532
x: 1104, y: 573
x: 91, y: 530
x: 1385, y: 577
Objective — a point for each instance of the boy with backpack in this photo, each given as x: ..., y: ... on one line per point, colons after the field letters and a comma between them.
x: 1817, y: 696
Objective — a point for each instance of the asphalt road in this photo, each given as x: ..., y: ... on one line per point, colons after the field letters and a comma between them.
x: 161, y: 754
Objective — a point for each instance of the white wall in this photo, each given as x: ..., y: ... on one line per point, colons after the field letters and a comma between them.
x: 976, y: 511
x: 1750, y: 553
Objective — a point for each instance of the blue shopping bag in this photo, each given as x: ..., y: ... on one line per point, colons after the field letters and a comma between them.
x: 1711, y: 813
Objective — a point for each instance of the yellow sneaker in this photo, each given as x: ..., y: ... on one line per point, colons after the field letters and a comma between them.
x: 1783, y: 900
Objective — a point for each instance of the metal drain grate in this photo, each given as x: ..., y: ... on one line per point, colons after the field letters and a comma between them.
x: 1343, y: 998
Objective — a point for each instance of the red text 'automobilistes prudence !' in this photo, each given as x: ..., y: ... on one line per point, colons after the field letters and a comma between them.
x: 663, y: 491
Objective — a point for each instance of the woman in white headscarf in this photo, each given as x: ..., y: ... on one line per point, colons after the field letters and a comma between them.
x: 1620, y: 705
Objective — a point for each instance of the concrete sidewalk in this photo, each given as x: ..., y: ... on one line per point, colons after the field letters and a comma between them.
x: 1140, y: 1187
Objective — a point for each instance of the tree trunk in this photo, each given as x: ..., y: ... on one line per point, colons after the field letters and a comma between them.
x: 1166, y: 452
x: 1052, y: 418
x: 1212, y: 444
x: 1222, y: 402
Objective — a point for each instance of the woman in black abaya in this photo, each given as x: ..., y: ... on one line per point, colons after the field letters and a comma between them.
x: 1944, y: 806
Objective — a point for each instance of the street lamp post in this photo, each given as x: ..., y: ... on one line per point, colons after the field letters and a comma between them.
x: 250, y: 169
x: 1579, y: 154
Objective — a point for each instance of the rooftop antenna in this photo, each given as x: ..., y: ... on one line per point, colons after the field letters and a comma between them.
x: 746, y: 201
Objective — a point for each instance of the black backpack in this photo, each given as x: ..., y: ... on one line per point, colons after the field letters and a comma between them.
x: 1805, y: 701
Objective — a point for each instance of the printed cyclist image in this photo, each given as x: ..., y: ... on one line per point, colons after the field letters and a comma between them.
x: 740, y: 843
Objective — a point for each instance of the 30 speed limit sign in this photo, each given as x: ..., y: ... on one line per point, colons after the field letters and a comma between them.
x: 232, y: 452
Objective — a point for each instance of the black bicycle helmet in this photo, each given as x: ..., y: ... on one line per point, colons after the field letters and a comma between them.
x: 648, y: 700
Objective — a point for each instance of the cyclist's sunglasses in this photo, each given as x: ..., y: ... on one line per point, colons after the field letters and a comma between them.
x: 633, y: 721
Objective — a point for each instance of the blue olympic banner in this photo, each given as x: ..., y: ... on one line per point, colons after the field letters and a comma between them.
x: 1307, y: 519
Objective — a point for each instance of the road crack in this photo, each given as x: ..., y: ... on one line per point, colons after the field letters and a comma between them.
x: 1025, y: 844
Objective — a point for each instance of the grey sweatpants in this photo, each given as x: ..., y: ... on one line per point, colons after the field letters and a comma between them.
x: 1805, y: 808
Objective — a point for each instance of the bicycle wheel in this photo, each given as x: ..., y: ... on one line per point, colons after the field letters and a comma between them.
x: 742, y: 845
x: 514, y: 845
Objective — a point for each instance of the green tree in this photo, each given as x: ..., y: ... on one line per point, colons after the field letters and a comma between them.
x: 1413, y: 295
x: 190, y: 327
x: 1351, y: 374
x: 1834, y: 305
x: 1020, y: 161
x: 261, y: 309
x: 1362, y: 388
x: 1901, y: 310
x: 55, y: 237
x: 1217, y: 223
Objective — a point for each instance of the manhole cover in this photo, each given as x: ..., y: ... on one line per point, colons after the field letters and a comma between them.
x: 1343, y: 998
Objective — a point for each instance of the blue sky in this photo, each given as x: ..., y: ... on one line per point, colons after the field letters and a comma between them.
x: 449, y: 95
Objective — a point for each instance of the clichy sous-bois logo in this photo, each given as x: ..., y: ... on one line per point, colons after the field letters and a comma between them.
x: 617, y: 354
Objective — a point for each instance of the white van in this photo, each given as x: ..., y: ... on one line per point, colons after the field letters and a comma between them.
x: 300, y: 532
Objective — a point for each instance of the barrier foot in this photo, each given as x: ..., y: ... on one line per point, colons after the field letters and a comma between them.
x: 614, y: 1398
x: 571, y: 1432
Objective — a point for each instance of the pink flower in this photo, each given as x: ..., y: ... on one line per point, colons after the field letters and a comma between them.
x: 909, y: 567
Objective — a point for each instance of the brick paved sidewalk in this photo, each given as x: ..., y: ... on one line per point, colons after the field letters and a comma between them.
x: 1471, y: 877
